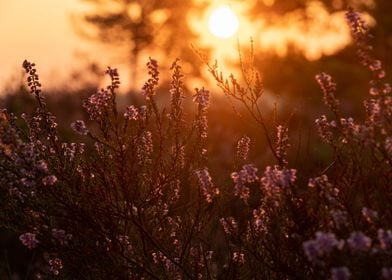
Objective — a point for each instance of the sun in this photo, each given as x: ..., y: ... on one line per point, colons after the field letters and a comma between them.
x: 223, y: 22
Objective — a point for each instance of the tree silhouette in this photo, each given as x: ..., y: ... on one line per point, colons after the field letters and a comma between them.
x: 136, y: 25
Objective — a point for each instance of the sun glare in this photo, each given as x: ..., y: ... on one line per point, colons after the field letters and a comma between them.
x: 223, y: 22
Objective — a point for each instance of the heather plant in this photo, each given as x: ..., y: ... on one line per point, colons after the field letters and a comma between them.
x: 115, y: 210
x: 332, y: 226
x: 136, y: 196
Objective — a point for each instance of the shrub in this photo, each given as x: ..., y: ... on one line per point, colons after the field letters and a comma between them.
x: 135, y: 197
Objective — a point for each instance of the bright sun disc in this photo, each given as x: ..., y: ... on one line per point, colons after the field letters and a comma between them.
x: 223, y: 22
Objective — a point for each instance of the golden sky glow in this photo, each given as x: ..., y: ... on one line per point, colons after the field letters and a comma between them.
x: 41, y: 30
x: 321, y: 34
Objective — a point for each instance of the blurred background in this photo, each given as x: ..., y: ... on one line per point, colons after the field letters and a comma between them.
x: 71, y: 39
x: 72, y: 42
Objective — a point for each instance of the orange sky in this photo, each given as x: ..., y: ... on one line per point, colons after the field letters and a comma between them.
x: 41, y: 31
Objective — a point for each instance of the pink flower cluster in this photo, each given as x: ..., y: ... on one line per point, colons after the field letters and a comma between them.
x: 246, y: 176
x: 29, y: 240
x: 205, y: 182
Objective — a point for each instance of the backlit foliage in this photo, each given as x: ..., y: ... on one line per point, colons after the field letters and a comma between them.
x: 137, y: 198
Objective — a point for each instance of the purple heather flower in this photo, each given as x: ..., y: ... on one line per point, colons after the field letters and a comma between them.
x: 385, y: 238
x: 97, y: 103
x: 323, y: 244
x: 203, y: 125
x: 320, y: 182
x: 115, y: 78
x: 202, y: 97
x: 340, y: 273
x: 15, y: 192
x: 72, y: 149
x: 27, y: 182
x: 49, y: 180
x: 282, y: 142
x: 230, y: 225
x: 324, y: 129
x: 326, y: 241
x: 340, y: 217
x: 387, y: 88
x: 239, y: 257
x: 149, y: 87
x: 328, y: 87
x: 55, y: 266
x: 386, y: 273
x: 205, y: 182
x: 311, y: 249
x: 259, y: 219
x: 79, y: 127
x: 275, y: 179
x: 388, y: 145
x: 373, y: 110
x: 42, y: 166
x: 29, y: 240
x: 357, y: 25
x: 131, y: 113
x: 246, y: 175
x: 144, y: 146
x: 358, y: 241
x: 369, y: 215
x: 61, y: 236
x: 243, y: 147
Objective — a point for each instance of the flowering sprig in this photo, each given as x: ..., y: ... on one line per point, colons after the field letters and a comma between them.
x: 97, y: 104
x: 114, y: 77
x: 29, y: 240
x: 32, y: 79
x: 205, y: 182
x: 149, y: 87
x: 201, y: 98
x: 243, y: 148
x: 276, y: 179
x: 176, y: 91
x: 131, y: 113
x: 282, y: 143
x: 321, y: 246
x: 79, y: 127
x: 242, y: 179
x: 329, y: 88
